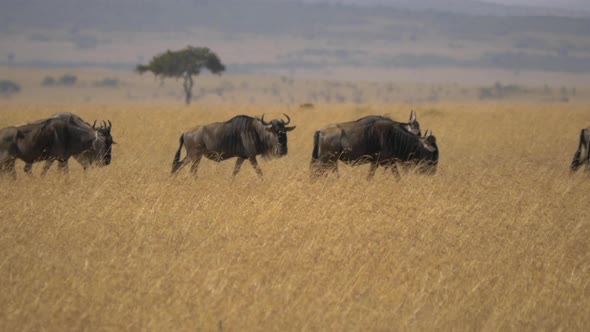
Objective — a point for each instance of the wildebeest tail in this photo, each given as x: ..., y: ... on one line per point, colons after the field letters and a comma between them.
x: 176, y: 162
x: 316, y: 141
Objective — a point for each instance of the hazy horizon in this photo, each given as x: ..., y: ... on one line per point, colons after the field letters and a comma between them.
x: 467, y: 39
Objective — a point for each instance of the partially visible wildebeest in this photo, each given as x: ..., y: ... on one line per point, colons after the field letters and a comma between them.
x: 582, y: 155
x: 243, y: 137
x: 53, y: 139
x: 380, y: 143
x: 99, y: 155
x: 8, y: 149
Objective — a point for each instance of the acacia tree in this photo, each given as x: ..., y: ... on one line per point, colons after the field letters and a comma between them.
x: 184, y: 64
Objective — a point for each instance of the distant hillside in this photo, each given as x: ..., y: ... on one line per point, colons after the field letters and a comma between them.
x: 273, y: 36
x: 270, y: 16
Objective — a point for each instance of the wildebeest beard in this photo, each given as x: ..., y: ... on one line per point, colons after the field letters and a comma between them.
x: 101, y: 150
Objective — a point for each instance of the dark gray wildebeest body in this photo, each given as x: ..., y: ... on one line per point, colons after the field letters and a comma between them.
x: 380, y: 142
x: 99, y: 155
x: 242, y: 137
x: 53, y: 139
x: 412, y: 126
x: 582, y: 155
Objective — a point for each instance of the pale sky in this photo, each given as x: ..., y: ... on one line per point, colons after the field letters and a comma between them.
x: 563, y: 4
x: 534, y: 2
x: 547, y: 3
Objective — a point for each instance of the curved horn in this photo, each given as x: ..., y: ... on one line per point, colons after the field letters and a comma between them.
x: 264, y: 122
x: 94, y: 125
x: 288, y: 119
x: 104, y: 124
x: 110, y: 124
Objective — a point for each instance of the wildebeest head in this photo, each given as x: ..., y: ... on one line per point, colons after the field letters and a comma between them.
x: 413, y: 126
x: 279, y: 129
x: 429, y: 154
x: 102, y: 145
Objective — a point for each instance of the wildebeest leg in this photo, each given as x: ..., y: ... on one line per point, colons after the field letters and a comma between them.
x: 8, y: 167
x: 239, y: 163
x: 177, y: 166
x: 195, y: 166
x: 577, y: 161
x: 84, y: 163
x: 46, y: 167
x: 372, y: 170
x: 255, y: 165
x: 395, y: 171
x: 12, y: 168
x: 63, y: 166
x: 335, y: 169
x: 28, y: 168
x: 317, y: 169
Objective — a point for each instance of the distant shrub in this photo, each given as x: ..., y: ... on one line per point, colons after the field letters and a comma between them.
x: 68, y: 79
x: 48, y: 81
x: 8, y: 87
x: 107, y: 83
x: 499, y: 91
x: 65, y: 80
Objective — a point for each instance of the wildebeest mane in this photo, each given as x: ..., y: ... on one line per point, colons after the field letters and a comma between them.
x: 357, y: 121
x: 244, y: 135
x: 385, y: 117
x: 72, y: 119
x: 369, y: 120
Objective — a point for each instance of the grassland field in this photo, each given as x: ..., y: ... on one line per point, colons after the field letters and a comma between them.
x: 498, y: 239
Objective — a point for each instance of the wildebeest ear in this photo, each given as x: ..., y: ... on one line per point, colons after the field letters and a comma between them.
x: 94, y: 125
x: 412, y: 117
x: 290, y: 128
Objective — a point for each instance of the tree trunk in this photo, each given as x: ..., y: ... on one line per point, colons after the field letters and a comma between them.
x: 188, y: 88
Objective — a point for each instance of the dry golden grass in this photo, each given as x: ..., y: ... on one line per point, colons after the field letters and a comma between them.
x: 498, y: 239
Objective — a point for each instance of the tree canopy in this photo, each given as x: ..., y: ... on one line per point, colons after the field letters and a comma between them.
x: 178, y: 63
x: 183, y: 63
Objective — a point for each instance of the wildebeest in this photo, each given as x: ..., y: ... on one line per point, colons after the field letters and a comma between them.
x: 100, y: 154
x: 381, y: 142
x: 8, y: 149
x: 242, y: 137
x: 582, y: 155
x: 52, y: 139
